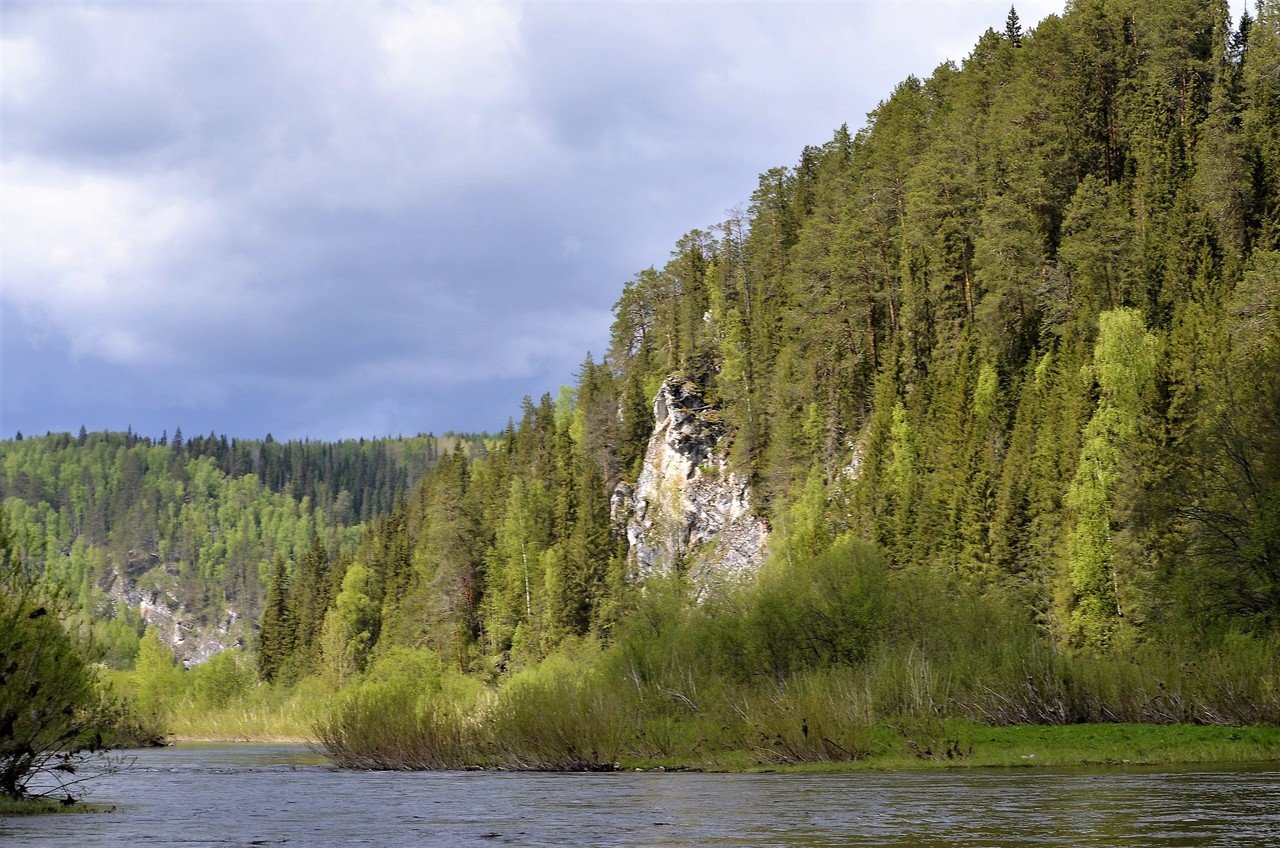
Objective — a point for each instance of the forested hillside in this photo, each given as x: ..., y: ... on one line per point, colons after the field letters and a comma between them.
x: 1021, y: 332
x: 114, y: 520
x: 1002, y: 372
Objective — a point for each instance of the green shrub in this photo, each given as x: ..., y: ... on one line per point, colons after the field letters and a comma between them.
x: 223, y: 678
x: 50, y: 703
x: 815, y: 717
x: 404, y: 713
x: 559, y: 716
x: 158, y: 682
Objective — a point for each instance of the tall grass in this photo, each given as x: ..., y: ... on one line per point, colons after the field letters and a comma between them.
x: 217, y: 700
x: 557, y: 717
x: 263, y: 713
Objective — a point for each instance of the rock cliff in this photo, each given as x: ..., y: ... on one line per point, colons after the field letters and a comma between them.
x: 690, y: 512
x: 156, y: 597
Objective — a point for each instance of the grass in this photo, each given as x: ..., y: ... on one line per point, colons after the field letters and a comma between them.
x: 1024, y: 746
x: 42, y: 806
x: 570, y: 715
x: 265, y: 717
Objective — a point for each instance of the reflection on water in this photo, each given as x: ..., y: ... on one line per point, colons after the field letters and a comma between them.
x: 283, y: 795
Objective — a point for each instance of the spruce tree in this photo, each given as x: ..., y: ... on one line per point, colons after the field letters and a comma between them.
x: 1013, y: 28
x: 276, y: 631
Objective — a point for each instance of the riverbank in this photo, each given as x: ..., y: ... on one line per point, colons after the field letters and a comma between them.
x: 963, y: 745
x: 968, y: 746
x: 949, y: 744
x: 42, y: 807
x: 241, y: 738
x: 263, y: 715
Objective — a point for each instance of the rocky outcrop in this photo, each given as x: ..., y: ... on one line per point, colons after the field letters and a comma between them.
x: 690, y: 512
x: 192, y: 641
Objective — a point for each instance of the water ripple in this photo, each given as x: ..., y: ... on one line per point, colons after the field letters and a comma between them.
x: 283, y: 795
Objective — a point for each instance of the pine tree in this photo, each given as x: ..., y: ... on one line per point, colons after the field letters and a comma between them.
x: 310, y: 591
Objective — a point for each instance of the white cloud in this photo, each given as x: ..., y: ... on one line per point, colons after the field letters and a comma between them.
x: 22, y: 64
x: 82, y: 251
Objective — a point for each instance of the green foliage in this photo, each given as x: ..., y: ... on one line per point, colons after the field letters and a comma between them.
x: 221, y: 680
x: 1000, y: 331
x: 157, y: 682
x: 823, y: 612
x: 277, y: 630
x: 404, y: 713
x: 805, y: 528
x: 50, y: 704
x: 1124, y: 365
x: 836, y: 659
x: 349, y: 626
x: 1233, y: 461
x: 202, y: 518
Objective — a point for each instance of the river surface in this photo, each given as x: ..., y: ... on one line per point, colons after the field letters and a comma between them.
x: 194, y: 795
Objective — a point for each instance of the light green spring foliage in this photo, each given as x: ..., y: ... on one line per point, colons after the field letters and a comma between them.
x: 902, y: 472
x: 1124, y: 366
x: 157, y: 682
x: 349, y: 626
x: 221, y: 680
x: 218, y: 699
x: 516, y: 573
x: 805, y: 529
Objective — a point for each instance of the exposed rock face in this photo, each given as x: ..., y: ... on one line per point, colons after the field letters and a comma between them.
x: 690, y: 512
x: 192, y: 641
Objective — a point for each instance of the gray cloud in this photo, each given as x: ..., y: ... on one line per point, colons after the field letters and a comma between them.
x: 351, y: 219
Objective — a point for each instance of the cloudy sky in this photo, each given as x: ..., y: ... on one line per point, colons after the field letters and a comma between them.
x: 358, y: 218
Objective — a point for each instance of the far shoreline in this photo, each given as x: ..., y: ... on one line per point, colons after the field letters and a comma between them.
x: 1002, y: 747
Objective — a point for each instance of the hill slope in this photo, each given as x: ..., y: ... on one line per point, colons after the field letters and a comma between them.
x: 183, y: 534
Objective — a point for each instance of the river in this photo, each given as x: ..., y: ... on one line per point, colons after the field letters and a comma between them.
x: 196, y: 795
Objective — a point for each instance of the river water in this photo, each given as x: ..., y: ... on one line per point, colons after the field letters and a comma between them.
x: 195, y: 795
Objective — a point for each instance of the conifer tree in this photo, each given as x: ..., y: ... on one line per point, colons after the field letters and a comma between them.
x: 276, y: 632
x: 1013, y: 28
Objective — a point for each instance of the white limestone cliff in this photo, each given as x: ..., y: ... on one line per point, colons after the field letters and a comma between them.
x: 690, y: 511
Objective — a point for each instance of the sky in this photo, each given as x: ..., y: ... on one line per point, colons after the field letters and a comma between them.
x: 333, y: 220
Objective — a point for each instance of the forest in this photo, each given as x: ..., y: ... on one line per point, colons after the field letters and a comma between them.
x: 1002, y: 367
x: 106, y: 518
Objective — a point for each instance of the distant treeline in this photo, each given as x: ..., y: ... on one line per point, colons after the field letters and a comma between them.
x: 352, y: 480
x: 200, y: 519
